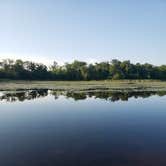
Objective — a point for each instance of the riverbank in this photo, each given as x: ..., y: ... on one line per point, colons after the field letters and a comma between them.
x: 133, y: 85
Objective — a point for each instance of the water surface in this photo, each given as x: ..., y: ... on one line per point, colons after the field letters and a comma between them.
x: 47, y: 128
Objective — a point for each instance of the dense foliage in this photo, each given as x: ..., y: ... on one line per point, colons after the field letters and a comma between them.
x: 20, y: 70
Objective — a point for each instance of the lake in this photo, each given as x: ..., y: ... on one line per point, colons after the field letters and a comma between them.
x: 95, y: 128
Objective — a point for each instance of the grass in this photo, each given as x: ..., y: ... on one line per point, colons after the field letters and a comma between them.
x: 133, y: 85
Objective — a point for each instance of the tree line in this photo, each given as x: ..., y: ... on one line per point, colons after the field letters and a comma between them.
x: 78, y: 70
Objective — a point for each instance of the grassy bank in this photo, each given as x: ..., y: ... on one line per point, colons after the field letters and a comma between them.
x: 134, y: 85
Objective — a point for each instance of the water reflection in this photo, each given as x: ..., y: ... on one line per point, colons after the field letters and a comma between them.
x: 113, y: 95
x: 50, y: 132
x: 23, y: 95
x: 107, y: 95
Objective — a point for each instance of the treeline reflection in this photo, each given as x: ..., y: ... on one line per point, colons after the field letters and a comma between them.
x: 113, y: 95
x: 106, y: 95
x: 23, y: 95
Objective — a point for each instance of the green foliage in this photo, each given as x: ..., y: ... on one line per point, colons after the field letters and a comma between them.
x: 78, y: 70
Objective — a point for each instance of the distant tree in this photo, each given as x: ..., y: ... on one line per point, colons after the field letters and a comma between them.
x: 79, y: 70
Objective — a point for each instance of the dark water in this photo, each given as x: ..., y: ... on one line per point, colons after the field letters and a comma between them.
x: 46, y: 128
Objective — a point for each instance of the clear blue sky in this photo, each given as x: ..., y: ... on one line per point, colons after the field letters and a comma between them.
x: 89, y: 30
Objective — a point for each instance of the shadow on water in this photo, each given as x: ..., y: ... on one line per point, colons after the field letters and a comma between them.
x: 113, y: 96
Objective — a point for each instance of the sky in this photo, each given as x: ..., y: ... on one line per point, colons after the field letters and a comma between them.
x: 86, y: 30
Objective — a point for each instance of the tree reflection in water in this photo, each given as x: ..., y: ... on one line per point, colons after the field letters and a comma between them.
x: 107, y: 95
x: 23, y: 95
x: 113, y: 95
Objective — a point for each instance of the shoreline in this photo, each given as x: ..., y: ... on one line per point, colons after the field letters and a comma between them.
x: 122, y: 85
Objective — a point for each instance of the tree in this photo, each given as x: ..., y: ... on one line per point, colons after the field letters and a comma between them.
x: 79, y: 70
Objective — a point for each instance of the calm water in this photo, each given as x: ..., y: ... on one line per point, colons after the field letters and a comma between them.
x: 46, y: 128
